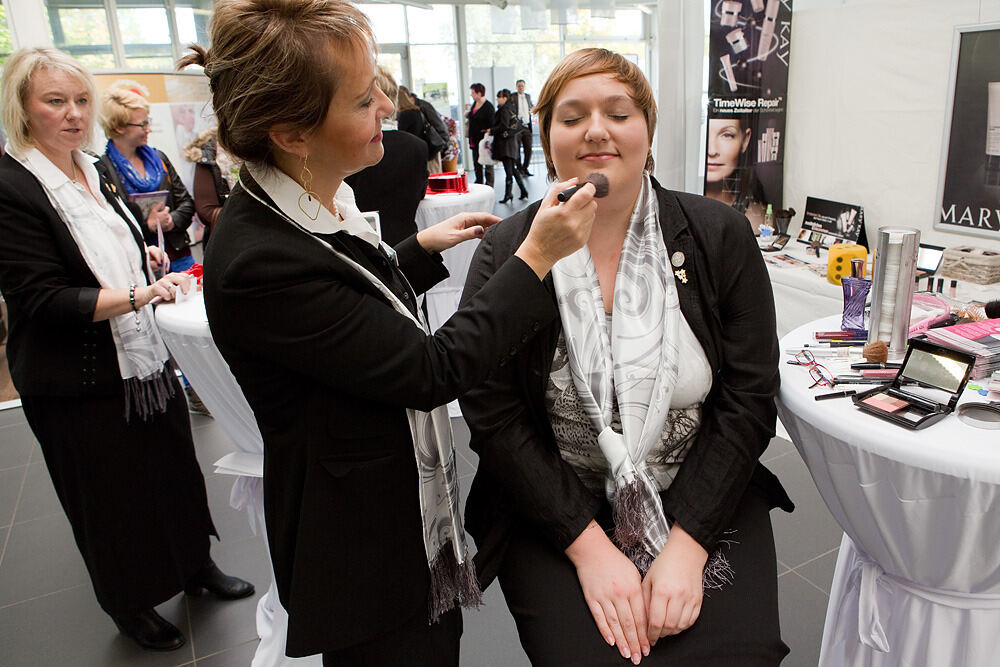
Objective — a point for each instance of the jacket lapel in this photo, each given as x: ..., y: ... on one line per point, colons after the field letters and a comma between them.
x: 682, y: 255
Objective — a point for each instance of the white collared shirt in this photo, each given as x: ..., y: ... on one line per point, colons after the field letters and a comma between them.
x: 524, y: 107
x: 287, y: 194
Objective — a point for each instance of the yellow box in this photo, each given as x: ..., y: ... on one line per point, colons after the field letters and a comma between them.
x: 839, y: 263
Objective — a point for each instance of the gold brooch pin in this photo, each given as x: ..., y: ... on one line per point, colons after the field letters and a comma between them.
x: 681, y: 275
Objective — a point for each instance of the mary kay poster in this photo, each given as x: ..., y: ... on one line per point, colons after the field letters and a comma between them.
x: 747, y: 84
x: 969, y: 196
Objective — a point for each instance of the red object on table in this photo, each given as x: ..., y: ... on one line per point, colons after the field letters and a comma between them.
x: 449, y: 182
x: 196, y: 271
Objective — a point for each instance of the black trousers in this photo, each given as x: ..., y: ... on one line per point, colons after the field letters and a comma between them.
x: 510, y: 173
x: 479, y: 168
x: 133, y: 493
x: 415, y: 644
x: 525, y: 140
x: 738, y: 625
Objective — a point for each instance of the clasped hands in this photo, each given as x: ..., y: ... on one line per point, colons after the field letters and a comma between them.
x: 633, y: 612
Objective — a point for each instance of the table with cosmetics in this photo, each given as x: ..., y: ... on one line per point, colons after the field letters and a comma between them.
x: 917, y: 580
x: 802, y: 292
x: 184, y: 328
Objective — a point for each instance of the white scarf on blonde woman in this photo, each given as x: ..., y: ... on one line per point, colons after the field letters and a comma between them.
x: 453, y: 576
x: 110, y: 251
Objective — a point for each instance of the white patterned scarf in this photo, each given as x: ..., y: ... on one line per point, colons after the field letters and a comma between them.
x: 453, y: 576
x: 636, y: 362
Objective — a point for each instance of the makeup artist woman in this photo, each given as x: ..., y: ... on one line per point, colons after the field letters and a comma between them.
x: 318, y: 322
x: 618, y: 472
x: 88, y: 361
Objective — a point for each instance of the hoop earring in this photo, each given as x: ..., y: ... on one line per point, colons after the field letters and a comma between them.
x: 311, y: 198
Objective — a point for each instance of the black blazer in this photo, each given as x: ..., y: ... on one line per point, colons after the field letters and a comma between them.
x: 517, y: 100
x: 726, y: 301
x: 394, y: 186
x: 501, y: 121
x: 179, y: 201
x: 480, y: 122
x: 329, y: 367
x: 53, y: 346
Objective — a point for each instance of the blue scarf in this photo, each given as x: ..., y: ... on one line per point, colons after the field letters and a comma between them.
x: 130, y: 177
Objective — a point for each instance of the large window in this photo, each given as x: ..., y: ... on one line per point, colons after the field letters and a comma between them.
x: 6, y: 47
x: 128, y: 34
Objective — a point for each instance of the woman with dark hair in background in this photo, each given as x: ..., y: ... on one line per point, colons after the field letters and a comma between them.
x: 93, y: 374
x: 480, y: 122
x: 318, y: 321
x: 505, y: 146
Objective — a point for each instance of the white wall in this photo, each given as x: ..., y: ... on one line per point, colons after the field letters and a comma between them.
x: 868, y: 87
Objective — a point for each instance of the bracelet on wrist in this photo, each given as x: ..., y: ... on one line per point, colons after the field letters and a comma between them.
x: 131, y: 296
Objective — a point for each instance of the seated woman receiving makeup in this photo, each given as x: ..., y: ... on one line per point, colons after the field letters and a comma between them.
x: 618, y: 473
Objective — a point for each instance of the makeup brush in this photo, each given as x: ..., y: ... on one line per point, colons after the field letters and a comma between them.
x: 599, y: 180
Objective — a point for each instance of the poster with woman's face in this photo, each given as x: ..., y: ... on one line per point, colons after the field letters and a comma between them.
x: 749, y: 51
x: 969, y: 200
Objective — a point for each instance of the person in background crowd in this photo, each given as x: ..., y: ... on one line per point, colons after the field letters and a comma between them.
x: 411, y: 119
x: 319, y: 324
x: 136, y: 168
x: 434, y: 120
x: 94, y: 376
x: 215, y: 174
x: 522, y: 106
x: 505, y: 146
x: 480, y: 123
x: 618, y: 451
x: 449, y: 159
x: 394, y: 186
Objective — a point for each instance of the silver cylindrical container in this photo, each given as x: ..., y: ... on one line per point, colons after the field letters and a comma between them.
x: 893, y: 271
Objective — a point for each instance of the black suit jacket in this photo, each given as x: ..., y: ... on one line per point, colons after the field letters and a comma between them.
x: 179, y: 201
x: 329, y: 367
x: 728, y: 304
x: 518, y: 99
x: 394, y: 186
x: 53, y: 347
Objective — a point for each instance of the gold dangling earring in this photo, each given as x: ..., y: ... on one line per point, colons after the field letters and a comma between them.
x: 311, y: 198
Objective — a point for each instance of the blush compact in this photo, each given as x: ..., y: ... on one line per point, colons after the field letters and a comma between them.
x: 934, y: 378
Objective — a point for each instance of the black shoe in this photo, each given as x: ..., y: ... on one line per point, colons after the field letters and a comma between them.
x: 221, y: 585
x: 526, y: 172
x: 524, y: 195
x: 151, y: 631
x: 506, y: 200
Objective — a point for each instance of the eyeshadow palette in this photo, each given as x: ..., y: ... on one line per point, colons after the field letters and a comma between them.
x: 935, y: 377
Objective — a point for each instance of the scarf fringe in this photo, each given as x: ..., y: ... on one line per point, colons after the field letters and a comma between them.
x: 629, y: 515
x: 718, y: 572
x: 148, y: 397
x: 452, y: 583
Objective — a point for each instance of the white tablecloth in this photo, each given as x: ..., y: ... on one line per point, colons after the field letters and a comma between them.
x: 917, y: 581
x: 443, y: 298
x: 184, y: 327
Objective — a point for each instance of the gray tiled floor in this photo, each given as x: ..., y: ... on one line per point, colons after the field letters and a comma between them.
x: 49, y: 616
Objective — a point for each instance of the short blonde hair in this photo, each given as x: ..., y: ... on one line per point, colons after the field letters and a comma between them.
x: 387, y: 84
x: 117, y: 107
x: 16, y: 86
x: 594, y: 61
x: 268, y: 66
x: 404, y: 99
